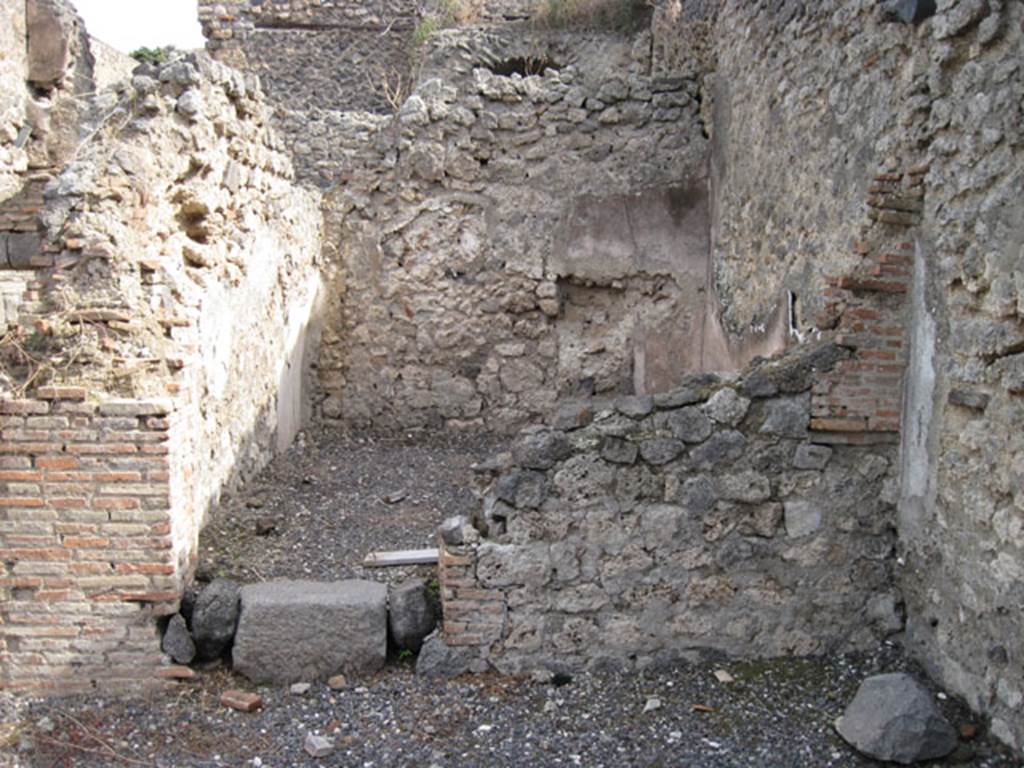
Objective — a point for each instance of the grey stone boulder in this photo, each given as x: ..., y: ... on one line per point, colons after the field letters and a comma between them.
x: 438, y: 659
x: 893, y: 718
x: 299, y: 631
x: 177, y: 642
x: 214, y: 619
x: 411, y: 615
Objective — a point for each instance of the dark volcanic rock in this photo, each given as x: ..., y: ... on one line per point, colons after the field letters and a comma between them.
x: 410, y: 615
x: 214, y: 619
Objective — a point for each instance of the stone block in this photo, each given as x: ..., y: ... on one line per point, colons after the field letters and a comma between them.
x: 214, y: 619
x: 802, y: 518
x: 749, y: 487
x: 727, y: 407
x: 811, y: 456
x: 619, y: 451
x: 690, y: 425
x: 22, y: 249
x: 660, y: 451
x: 788, y: 417
x: 294, y: 631
x: 50, y: 36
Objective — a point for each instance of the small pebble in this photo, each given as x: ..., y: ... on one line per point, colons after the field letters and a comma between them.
x: 299, y: 689
x: 652, y: 704
x: 724, y: 677
x: 337, y: 683
x: 318, y: 746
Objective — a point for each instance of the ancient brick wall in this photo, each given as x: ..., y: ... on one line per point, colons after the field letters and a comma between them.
x: 704, y: 518
x: 88, y: 545
x: 169, y: 307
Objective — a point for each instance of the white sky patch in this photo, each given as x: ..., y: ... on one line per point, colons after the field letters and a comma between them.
x: 131, y: 24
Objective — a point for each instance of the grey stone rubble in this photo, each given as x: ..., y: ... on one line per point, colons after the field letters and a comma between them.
x: 894, y: 718
x: 411, y: 615
x: 294, y: 631
x: 214, y: 619
x: 177, y: 641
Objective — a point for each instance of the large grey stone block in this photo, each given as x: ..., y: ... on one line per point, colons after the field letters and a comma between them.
x: 292, y: 631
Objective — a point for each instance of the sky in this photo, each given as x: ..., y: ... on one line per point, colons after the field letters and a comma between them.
x: 131, y: 24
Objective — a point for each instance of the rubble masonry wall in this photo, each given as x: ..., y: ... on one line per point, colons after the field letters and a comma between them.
x: 160, y: 354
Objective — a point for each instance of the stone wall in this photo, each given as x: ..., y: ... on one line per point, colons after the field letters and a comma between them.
x: 512, y: 239
x: 13, y: 97
x: 176, y: 260
x: 110, y: 65
x: 704, y: 518
x: 860, y: 98
x: 370, y: 45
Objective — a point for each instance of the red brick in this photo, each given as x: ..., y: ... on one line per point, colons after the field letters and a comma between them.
x: 47, y: 554
x: 103, y: 449
x: 24, y: 407
x: 161, y: 569
x: 57, y: 462
x: 22, y: 476
x: 839, y: 425
x: 61, y: 393
x: 243, y: 701
x: 27, y: 501
x: 115, y: 502
x: 176, y: 672
x: 85, y: 542
x: 30, y: 449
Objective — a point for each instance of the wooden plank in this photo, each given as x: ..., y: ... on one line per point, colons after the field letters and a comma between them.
x: 401, y: 557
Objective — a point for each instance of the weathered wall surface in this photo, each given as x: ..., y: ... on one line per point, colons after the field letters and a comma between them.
x: 704, y: 518
x: 110, y: 65
x: 857, y: 91
x: 370, y: 45
x: 176, y: 261
x: 511, y: 239
x: 13, y: 96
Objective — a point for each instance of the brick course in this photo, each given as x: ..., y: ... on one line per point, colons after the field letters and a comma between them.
x: 84, y: 569
x: 867, y: 310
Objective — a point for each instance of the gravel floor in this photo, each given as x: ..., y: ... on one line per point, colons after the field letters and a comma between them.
x: 774, y: 714
x: 320, y: 508
x: 314, y: 514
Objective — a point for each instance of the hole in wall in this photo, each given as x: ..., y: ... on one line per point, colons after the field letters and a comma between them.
x: 524, y: 66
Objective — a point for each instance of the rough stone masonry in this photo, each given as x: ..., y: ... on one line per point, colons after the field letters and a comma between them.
x: 536, y: 222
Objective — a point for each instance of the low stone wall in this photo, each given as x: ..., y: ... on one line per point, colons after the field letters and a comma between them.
x: 704, y: 518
